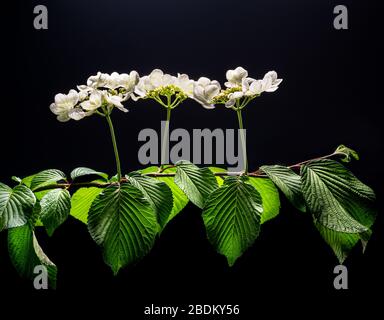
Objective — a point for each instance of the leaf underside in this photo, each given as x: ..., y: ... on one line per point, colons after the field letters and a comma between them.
x: 25, y: 254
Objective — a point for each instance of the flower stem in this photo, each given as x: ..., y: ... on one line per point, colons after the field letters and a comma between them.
x: 242, y: 138
x: 165, y: 137
x: 118, y: 167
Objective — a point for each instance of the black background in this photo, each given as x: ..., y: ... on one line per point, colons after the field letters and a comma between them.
x: 329, y: 96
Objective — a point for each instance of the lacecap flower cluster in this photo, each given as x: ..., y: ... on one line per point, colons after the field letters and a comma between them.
x: 104, y: 92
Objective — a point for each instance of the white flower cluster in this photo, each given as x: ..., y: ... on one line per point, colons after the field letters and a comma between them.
x: 157, y: 80
x: 107, y: 91
x: 101, y: 91
x: 240, y: 85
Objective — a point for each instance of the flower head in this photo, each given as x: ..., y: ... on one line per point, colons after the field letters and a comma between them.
x: 101, y: 91
x: 114, y: 81
x: 241, y: 89
x: 158, y: 85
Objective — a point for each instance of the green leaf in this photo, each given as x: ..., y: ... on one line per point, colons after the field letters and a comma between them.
x: 82, y: 171
x: 219, y: 179
x: 288, y: 182
x: 81, y: 202
x: 156, y: 192
x: 28, y: 180
x: 55, y: 207
x: 15, y: 206
x: 180, y: 200
x: 25, y: 254
x: 340, y: 242
x: 124, y: 224
x: 337, y: 199
x: 197, y: 183
x: 16, y: 179
x: 269, y: 195
x: 232, y: 217
x: 46, y: 177
x: 348, y: 153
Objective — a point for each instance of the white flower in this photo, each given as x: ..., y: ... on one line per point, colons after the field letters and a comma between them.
x: 114, y: 100
x: 271, y: 82
x: 205, y: 91
x: 124, y: 80
x: 233, y: 97
x: 151, y: 82
x: 112, y: 81
x: 252, y: 88
x: 64, y: 106
x: 98, y: 81
x: 185, y: 84
x: 94, y: 102
x: 235, y: 77
x: 158, y: 80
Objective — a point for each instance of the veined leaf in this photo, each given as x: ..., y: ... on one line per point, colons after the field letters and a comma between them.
x: 180, y: 200
x: 15, y: 206
x: 232, y: 217
x: 28, y: 180
x: 340, y: 242
x: 349, y: 154
x: 156, y: 192
x: 46, y: 177
x: 55, y: 207
x: 124, y: 224
x: 81, y: 202
x: 26, y: 253
x: 288, y: 182
x: 337, y: 199
x: 82, y: 171
x: 16, y: 179
x: 219, y: 179
x: 269, y: 195
x: 197, y: 183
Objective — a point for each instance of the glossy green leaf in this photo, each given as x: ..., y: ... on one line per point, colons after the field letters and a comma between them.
x: 124, y: 224
x: 337, y: 199
x: 348, y: 153
x: 197, y: 183
x: 342, y: 243
x: 232, y: 217
x: 15, y: 206
x: 55, y: 208
x: 156, y: 192
x: 81, y: 202
x: 28, y: 180
x: 46, y: 177
x: 269, y: 195
x: 25, y: 254
x: 288, y: 182
x: 219, y: 179
x: 82, y: 171
x: 180, y: 200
